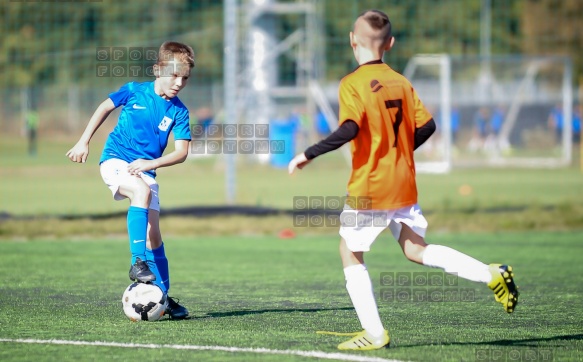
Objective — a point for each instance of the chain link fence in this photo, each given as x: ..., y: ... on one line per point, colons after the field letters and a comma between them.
x: 62, y: 58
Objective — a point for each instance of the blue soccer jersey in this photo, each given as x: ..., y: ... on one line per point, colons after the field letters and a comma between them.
x: 144, y: 124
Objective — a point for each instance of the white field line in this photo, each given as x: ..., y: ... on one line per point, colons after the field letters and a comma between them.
x: 312, y: 354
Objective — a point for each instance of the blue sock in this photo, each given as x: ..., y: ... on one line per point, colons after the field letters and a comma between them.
x: 151, y: 260
x: 137, y: 229
x: 162, y: 265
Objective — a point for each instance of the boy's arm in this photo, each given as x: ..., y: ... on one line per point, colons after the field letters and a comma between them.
x: 80, y: 151
x: 423, y: 133
x: 347, y: 131
x: 177, y: 156
x: 344, y: 134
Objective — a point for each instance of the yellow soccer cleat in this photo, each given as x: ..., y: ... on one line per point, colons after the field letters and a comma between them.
x: 505, y: 291
x: 363, y: 341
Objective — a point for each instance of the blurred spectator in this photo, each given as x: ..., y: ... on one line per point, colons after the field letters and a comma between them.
x: 202, y: 117
x: 455, y: 124
x: 481, y: 129
x: 556, y: 121
x: 304, y: 124
x: 493, y: 142
x: 31, y: 123
x: 577, y: 113
x: 496, y: 120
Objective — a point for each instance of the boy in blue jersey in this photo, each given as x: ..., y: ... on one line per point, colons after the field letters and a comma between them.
x: 133, y: 151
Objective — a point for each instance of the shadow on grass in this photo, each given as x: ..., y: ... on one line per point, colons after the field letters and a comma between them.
x: 245, y: 210
x: 503, y: 342
x: 237, y: 313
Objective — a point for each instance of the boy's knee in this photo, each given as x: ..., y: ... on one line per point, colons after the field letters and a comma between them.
x: 349, y: 257
x: 138, y: 192
x: 414, y: 252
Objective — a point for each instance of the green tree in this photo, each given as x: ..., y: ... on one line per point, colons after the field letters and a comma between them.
x: 552, y: 27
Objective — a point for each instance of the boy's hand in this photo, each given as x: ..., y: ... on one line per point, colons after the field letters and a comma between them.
x: 79, y: 152
x: 140, y: 165
x: 300, y: 161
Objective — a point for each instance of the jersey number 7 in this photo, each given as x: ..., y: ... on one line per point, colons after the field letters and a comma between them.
x: 396, y: 103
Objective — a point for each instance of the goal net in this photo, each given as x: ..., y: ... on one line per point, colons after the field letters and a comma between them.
x: 499, y: 111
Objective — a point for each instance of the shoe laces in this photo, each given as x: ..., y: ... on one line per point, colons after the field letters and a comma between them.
x: 171, y: 302
x: 141, y: 264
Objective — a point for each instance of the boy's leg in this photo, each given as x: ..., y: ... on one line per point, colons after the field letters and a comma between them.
x: 123, y: 185
x: 438, y: 256
x: 137, y: 220
x: 155, y: 243
x: 498, y: 277
x: 156, y: 257
x: 359, y: 287
x: 161, y: 261
x: 355, y: 240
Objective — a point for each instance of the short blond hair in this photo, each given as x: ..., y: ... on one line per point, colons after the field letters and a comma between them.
x: 181, y: 52
x: 379, y: 22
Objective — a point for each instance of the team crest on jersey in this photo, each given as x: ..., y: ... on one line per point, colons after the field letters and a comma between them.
x: 375, y: 85
x: 163, y: 126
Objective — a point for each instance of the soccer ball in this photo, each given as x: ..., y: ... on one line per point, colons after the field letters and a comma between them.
x: 144, y: 302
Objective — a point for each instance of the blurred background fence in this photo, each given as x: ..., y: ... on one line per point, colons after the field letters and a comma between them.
x: 62, y: 58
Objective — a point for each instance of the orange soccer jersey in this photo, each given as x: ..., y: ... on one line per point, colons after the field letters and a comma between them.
x: 387, y: 110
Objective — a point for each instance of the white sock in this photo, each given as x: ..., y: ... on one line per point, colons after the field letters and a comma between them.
x: 454, y: 262
x: 359, y: 288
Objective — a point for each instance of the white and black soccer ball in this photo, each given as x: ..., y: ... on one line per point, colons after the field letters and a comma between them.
x: 144, y: 302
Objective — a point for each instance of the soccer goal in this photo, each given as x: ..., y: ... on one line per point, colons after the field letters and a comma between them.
x: 431, y: 77
x: 496, y: 111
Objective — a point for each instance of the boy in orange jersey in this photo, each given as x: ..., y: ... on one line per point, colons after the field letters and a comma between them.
x: 385, y: 121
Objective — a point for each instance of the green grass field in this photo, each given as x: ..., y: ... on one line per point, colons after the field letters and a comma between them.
x: 265, y: 292
x: 265, y: 297
x: 50, y: 184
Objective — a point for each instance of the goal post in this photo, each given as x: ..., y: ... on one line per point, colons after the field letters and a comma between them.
x: 432, y: 75
x: 497, y: 111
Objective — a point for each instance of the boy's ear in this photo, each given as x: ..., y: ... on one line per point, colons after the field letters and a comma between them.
x: 156, y: 69
x: 352, y: 40
x: 390, y: 43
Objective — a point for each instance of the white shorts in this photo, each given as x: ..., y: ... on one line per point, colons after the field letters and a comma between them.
x: 360, y: 228
x: 115, y: 172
